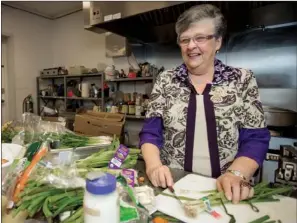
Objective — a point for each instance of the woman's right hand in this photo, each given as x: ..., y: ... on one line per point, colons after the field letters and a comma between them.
x: 160, y: 176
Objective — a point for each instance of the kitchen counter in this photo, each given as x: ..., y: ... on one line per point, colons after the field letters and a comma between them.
x: 177, y: 174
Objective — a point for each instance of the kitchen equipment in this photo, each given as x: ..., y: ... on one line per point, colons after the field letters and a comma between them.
x: 94, y: 91
x: 28, y: 104
x: 53, y: 71
x: 83, y: 87
x: 279, y: 117
x: 77, y: 70
x: 190, y: 185
x: 174, y: 194
x: 49, y: 71
x: 287, y: 166
x: 110, y: 73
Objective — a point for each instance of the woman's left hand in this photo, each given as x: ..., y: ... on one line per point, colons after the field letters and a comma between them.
x: 234, y: 187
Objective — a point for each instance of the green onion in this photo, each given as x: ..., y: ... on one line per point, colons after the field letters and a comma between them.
x: 260, y: 220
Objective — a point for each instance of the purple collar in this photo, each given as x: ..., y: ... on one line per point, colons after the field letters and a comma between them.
x: 222, y: 72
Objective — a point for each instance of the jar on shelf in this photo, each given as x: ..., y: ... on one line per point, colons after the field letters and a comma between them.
x: 124, y: 108
x: 131, y: 110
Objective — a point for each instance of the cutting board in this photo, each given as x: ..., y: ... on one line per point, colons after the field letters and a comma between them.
x: 285, y: 210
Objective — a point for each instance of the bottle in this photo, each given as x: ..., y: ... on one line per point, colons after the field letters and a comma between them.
x: 101, y: 199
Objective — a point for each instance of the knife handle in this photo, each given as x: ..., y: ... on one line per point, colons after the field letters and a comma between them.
x: 171, y: 189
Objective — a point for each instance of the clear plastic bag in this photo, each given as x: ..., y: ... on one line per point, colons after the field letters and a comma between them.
x: 9, y: 182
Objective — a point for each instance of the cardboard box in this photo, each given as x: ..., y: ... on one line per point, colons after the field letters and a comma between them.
x: 99, y: 123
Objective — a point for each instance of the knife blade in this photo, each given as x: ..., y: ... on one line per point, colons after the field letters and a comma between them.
x: 175, y: 196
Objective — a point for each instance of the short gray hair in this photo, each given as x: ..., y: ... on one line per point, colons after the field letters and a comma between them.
x: 199, y: 12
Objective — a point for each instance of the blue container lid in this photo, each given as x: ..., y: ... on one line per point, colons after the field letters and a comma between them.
x: 101, y: 183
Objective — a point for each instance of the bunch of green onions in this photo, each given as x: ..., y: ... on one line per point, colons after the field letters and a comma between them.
x: 263, y: 192
x: 103, y: 157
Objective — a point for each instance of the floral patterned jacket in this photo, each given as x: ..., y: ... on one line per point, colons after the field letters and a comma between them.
x: 205, y: 132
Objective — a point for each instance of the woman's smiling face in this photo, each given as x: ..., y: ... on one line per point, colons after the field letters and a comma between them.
x: 199, y: 44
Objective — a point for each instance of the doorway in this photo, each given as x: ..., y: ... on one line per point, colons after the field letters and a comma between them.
x: 4, y: 81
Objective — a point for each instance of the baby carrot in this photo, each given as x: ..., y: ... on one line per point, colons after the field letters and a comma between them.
x: 159, y: 220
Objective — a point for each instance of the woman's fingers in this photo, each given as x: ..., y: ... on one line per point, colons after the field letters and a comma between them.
x: 219, y: 186
x: 169, y: 178
x: 160, y: 177
x: 235, y: 192
x: 227, y: 188
x: 245, y: 191
x: 234, y: 188
x: 251, y: 193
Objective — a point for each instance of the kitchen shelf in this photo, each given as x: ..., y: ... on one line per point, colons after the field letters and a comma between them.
x: 85, y: 75
x: 69, y: 98
x: 51, y: 97
x: 132, y: 79
x: 71, y: 76
x: 81, y: 98
x: 134, y: 117
x: 98, y: 101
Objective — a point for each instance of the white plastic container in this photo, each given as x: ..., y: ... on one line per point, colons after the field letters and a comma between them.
x: 101, y: 199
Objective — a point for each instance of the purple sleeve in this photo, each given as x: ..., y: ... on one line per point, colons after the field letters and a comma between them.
x: 254, y: 144
x: 152, y: 132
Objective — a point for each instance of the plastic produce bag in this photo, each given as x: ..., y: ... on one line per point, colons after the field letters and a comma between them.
x: 63, y: 174
x: 131, y: 210
x: 10, y: 180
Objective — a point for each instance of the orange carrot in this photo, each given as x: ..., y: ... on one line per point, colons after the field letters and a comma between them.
x: 26, y: 174
x: 141, y: 180
x: 160, y: 220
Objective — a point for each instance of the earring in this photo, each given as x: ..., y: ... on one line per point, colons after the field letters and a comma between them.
x: 217, y: 51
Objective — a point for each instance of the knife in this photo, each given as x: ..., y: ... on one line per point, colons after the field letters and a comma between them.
x: 175, y: 196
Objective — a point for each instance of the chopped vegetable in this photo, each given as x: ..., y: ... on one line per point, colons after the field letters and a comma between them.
x: 141, y: 180
x: 3, y: 161
x: 261, y: 220
x: 160, y: 220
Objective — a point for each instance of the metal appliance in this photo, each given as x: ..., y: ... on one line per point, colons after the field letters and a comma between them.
x: 279, y: 117
x: 28, y: 104
x: 154, y: 21
x: 287, y: 166
x: 278, y: 147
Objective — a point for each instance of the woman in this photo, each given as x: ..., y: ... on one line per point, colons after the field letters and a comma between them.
x: 204, y: 116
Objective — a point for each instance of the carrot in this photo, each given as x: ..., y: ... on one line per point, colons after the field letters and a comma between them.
x: 141, y: 180
x: 25, y: 176
x: 160, y: 220
x: 4, y: 161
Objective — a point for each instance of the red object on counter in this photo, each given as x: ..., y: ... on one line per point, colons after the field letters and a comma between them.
x: 132, y: 75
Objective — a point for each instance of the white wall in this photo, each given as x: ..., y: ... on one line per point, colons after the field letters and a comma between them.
x: 72, y: 45
x: 30, y: 50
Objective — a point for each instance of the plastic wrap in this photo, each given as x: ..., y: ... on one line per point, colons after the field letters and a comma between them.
x: 10, y: 180
x: 64, y: 174
x: 132, y: 210
x: 31, y: 128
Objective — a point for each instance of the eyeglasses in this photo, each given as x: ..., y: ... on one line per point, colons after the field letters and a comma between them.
x: 196, y: 39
